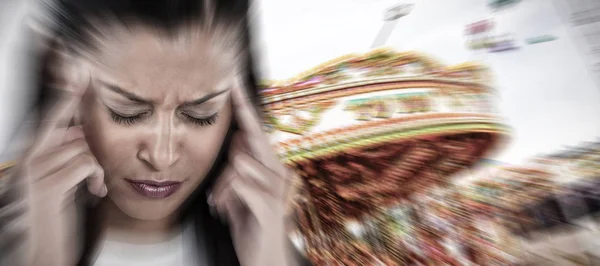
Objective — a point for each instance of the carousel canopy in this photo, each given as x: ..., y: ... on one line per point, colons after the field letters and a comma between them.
x: 366, y: 130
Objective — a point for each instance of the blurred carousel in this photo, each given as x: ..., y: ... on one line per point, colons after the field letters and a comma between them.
x: 368, y: 134
x: 516, y: 212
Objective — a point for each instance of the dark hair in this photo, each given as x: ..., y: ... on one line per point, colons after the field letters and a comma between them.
x: 74, y: 24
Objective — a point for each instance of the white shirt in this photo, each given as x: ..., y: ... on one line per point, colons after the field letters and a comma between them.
x: 181, y: 250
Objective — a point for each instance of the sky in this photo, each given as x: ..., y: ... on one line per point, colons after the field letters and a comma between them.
x: 546, y: 92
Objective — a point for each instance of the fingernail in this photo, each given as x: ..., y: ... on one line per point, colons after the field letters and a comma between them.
x: 104, y: 190
x: 81, y: 79
x: 75, y: 132
x: 210, y: 200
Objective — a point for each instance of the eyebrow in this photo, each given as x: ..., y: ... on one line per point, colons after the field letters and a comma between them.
x: 129, y: 95
x: 206, y: 98
x: 133, y: 97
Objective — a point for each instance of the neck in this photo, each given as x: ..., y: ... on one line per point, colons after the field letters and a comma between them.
x: 119, y: 226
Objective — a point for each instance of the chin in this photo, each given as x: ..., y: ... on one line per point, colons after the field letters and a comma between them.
x: 147, y: 209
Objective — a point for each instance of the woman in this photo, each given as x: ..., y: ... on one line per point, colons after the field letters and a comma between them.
x: 150, y: 111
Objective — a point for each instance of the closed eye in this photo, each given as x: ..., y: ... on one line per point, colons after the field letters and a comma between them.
x: 205, y: 121
x: 127, y: 119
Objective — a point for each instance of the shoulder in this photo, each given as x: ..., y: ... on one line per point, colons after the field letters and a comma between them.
x: 5, y: 177
x: 12, y: 208
x: 9, y: 190
x: 5, y: 168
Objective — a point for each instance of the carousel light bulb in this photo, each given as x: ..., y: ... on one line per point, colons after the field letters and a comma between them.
x: 355, y: 228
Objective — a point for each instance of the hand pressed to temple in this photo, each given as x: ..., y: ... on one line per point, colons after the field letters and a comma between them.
x: 253, y: 191
x: 56, y: 164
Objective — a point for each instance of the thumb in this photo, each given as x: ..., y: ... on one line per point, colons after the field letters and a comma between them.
x: 239, y: 143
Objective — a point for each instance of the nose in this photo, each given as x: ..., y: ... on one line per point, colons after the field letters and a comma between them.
x: 161, y: 149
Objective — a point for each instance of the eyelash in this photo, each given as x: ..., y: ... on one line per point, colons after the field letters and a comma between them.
x: 126, y: 120
x: 129, y: 120
x: 201, y: 121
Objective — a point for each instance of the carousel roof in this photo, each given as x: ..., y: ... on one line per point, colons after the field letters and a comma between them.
x: 365, y: 131
x: 381, y: 57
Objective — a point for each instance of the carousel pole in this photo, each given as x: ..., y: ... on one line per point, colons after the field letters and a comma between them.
x: 390, y: 20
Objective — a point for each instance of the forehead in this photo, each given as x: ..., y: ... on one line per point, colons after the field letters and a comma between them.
x: 142, y: 57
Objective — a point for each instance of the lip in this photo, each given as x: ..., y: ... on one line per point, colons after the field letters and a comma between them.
x: 155, y: 189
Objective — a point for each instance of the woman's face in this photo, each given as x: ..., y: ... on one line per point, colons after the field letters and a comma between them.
x: 156, y: 115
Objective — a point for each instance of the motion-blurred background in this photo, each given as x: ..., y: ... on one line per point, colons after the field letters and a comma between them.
x: 532, y: 199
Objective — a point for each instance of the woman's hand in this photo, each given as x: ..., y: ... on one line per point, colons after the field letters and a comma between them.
x: 57, y: 163
x: 253, y: 191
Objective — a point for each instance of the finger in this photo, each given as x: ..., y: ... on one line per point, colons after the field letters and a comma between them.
x: 229, y: 173
x: 95, y: 181
x: 223, y: 198
x: 244, y: 110
x: 229, y: 204
x: 264, y: 154
x: 239, y: 142
x: 223, y: 182
x: 224, y: 204
x: 291, y: 187
x: 259, y: 204
x: 250, y: 124
x: 84, y: 167
x: 57, y: 158
x: 256, y: 174
x: 60, y: 137
x: 72, y: 85
x: 257, y: 224
x: 49, y: 135
x: 73, y: 133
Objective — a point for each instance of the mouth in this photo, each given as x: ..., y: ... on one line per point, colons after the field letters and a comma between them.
x: 154, y: 189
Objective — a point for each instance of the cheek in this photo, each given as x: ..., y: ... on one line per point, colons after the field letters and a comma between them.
x: 111, y: 143
x: 201, y: 145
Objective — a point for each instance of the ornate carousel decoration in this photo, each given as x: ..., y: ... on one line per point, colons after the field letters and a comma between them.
x: 367, y: 131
